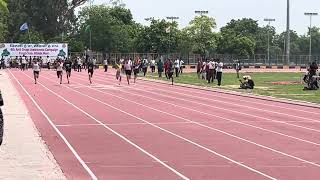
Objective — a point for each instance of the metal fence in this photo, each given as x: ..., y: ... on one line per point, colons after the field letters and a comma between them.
x: 191, y: 59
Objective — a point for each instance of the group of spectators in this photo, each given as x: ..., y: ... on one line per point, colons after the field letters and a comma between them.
x: 210, y: 70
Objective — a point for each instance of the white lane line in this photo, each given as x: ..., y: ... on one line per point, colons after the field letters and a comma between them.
x: 145, y: 82
x: 237, y: 137
x: 168, y: 89
x: 178, y: 136
x: 234, y: 121
x: 84, y: 165
x: 116, y: 133
x: 237, y: 112
x: 217, y: 130
x: 212, y: 115
x: 120, y: 124
x: 239, y: 105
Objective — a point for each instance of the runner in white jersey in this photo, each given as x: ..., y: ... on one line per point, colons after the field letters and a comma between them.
x: 128, y: 69
x: 60, y: 70
x: 23, y: 62
x: 105, y: 65
x: 36, y: 71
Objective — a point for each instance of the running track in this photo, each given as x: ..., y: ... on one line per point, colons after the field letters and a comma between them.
x: 150, y: 131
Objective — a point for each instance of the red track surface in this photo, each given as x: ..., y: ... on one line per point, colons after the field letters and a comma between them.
x: 156, y: 131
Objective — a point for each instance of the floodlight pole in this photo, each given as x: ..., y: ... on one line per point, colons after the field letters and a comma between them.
x: 90, y: 29
x: 202, y: 13
x: 172, y: 18
x: 288, y: 33
x: 269, y: 21
x: 310, y: 33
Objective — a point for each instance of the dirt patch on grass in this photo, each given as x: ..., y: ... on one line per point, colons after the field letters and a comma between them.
x: 285, y: 83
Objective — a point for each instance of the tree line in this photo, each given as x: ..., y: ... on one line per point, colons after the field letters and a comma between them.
x: 113, y: 29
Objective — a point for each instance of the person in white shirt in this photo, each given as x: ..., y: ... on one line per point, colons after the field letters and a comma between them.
x: 219, y: 71
x: 79, y: 63
x: 36, y: 71
x: 211, y: 69
x: 177, y: 67
x: 145, y: 66
x: 181, y: 66
x: 105, y: 64
x: 94, y: 61
x: 153, y: 65
x: 122, y: 64
x: 60, y: 70
x: 203, y: 70
x: 128, y: 69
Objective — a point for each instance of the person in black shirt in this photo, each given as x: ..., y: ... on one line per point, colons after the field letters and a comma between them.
x: 90, y: 70
x: 170, y: 70
x: 68, y: 67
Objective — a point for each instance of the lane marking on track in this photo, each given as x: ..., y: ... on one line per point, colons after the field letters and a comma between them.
x: 223, y: 132
x: 84, y: 165
x: 224, y: 97
x: 176, y: 135
x: 110, y: 129
x: 231, y: 120
x: 121, y: 124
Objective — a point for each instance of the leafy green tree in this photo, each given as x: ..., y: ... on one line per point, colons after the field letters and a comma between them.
x: 49, y: 18
x: 3, y: 6
x: 112, y: 28
x: 261, y: 39
x: 200, y: 31
x: 295, y: 40
x: 243, y: 31
x: 35, y: 37
x: 160, y: 37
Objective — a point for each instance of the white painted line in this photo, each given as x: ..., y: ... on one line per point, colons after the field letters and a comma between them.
x: 84, y: 165
x: 223, y: 132
x: 223, y: 97
x: 239, y: 105
x: 120, y: 124
x: 217, y: 130
x: 230, y: 120
x: 116, y: 133
x: 246, y: 114
x: 176, y: 135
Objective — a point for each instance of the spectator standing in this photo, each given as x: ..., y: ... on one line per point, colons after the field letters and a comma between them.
x: 160, y: 68
x: 177, y: 67
x: 219, y: 71
x: 105, y: 64
x: 153, y: 65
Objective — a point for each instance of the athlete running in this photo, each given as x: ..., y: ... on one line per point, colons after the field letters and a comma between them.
x: 136, y: 66
x: 90, y: 70
x: 36, y: 71
x: 60, y: 70
x: 118, y: 72
x: 68, y: 66
x: 128, y: 69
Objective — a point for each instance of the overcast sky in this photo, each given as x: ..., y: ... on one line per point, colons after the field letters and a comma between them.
x: 225, y: 10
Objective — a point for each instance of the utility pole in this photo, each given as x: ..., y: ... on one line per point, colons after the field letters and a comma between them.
x: 310, y: 33
x: 288, y: 34
x: 269, y: 21
x: 90, y: 30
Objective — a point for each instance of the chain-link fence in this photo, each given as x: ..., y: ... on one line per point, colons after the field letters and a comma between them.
x: 191, y: 59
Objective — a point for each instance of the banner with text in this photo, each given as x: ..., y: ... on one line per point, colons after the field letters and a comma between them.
x: 16, y: 49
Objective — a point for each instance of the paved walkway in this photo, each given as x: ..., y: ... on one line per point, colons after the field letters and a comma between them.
x: 23, y: 155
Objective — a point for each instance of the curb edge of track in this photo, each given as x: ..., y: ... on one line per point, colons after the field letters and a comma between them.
x: 242, y: 94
